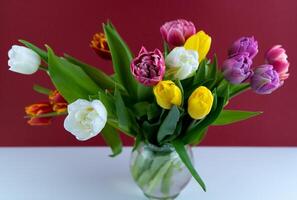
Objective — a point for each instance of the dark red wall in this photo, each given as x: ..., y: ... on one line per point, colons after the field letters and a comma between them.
x: 68, y: 26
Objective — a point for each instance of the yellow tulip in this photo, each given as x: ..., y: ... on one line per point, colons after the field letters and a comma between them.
x: 200, y: 103
x: 199, y: 42
x: 167, y: 94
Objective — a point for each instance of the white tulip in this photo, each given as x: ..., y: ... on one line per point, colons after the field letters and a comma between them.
x: 85, y: 118
x: 23, y: 60
x: 185, y: 61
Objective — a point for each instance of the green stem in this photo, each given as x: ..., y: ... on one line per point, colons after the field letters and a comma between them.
x: 244, y: 89
x: 52, y: 114
x: 42, y: 90
x: 43, y: 68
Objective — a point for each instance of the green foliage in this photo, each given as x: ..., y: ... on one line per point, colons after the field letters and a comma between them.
x: 112, y: 139
x: 201, y: 73
x: 70, y: 80
x: 125, y: 119
x: 169, y: 124
x: 181, y: 150
x: 99, y: 77
x: 121, y: 59
x: 233, y: 116
x: 153, y: 111
x: 140, y: 109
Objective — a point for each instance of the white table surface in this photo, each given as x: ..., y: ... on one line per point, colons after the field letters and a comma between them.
x: 89, y: 174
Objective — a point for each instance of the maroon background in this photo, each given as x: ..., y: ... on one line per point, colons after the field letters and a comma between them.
x: 68, y: 26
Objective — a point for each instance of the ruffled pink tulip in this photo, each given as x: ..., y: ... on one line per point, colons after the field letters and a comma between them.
x: 277, y: 57
x: 148, y: 67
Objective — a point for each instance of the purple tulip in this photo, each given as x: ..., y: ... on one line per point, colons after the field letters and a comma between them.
x: 265, y: 79
x: 244, y: 45
x: 238, y: 68
x: 148, y: 67
x: 177, y: 32
x: 277, y: 57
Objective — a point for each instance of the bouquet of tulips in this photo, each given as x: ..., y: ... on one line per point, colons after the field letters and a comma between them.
x: 160, y: 97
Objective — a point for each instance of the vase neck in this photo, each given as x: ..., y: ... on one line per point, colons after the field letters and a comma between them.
x: 164, y: 148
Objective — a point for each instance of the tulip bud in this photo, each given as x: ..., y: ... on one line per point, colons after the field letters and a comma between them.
x: 23, y: 60
x: 167, y: 94
x: 58, y: 102
x: 85, y: 118
x: 148, y: 67
x: 100, y: 46
x: 37, y: 109
x: 177, y: 32
x: 185, y: 61
x: 244, y: 45
x: 199, y: 42
x: 277, y: 57
x: 265, y: 79
x: 237, y: 69
x: 200, y: 103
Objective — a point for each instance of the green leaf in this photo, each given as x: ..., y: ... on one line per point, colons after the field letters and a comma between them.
x: 121, y: 59
x: 166, y: 48
x: 109, y: 104
x: 178, y: 83
x: 112, y: 139
x: 144, y: 93
x: 213, y: 68
x: 41, y: 90
x: 232, y: 116
x: 223, y: 89
x: 123, y: 114
x: 140, y: 109
x: 138, y: 140
x: 201, y: 73
x: 168, y: 126
x: 70, y: 80
x: 200, y: 136
x: 40, y: 52
x: 181, y: 150
x: 99, y: 77
x: 237, y: 89
x: 153, y: 111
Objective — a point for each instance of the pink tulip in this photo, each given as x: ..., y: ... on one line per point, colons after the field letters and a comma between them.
x: 177, y: 32
x: 277, y: 57
x: 148, y: 67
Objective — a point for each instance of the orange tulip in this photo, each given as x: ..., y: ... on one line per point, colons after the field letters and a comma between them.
x: 36, y: 110
x: 100, y: 46
x: 58, y: 102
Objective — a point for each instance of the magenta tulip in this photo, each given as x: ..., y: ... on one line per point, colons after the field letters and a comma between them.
x: 177, y: 32
x: 148, y: 67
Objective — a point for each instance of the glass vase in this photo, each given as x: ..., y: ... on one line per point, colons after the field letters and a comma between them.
x: 159, y: 171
